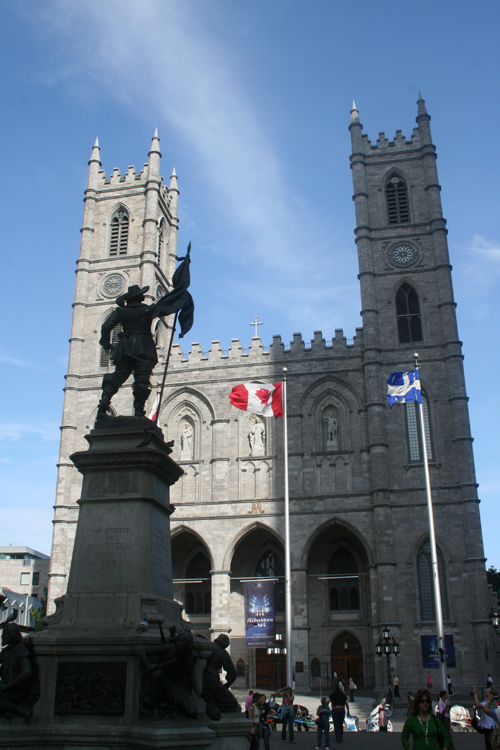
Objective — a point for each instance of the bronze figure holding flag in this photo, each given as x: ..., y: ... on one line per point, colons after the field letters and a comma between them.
x: 136, y: 352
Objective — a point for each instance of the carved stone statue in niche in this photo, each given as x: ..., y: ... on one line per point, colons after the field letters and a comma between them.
x: 332, y: 442
x: 257, y: 436
x: 186, y: 440
x: 19, y: 673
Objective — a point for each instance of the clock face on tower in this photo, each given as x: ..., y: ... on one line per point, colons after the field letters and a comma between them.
x: 402, y: 255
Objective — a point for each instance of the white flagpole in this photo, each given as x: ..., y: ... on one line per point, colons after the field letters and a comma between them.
x: 434, y: 559
x: 288, y: 567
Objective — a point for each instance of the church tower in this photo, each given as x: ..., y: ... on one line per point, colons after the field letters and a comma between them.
x: 128, y: 236
x: 408, y: 306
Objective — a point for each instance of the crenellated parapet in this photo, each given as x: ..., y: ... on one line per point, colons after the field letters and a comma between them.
x: 399, y: 144
x: 277, y: 351
x: 131, y: 179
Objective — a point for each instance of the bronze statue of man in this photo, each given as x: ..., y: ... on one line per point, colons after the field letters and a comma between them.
x: 217, y: 696
x: 19, y: 674
x: 136, y: 351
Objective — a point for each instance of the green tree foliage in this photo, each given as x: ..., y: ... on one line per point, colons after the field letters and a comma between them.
x: 493, y: 576
x: 37, y: 614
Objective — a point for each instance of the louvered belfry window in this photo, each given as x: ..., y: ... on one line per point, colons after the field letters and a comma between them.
x: 119, y: 233
x: 160, y: 241
x: 408, y: 315
x: 105, y: 356
x: 426, y: 585
x: 414, y: 431
x: 396, y: 193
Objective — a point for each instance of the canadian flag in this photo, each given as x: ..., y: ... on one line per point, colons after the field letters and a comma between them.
x: 154, y: 410
x: 259, y: 398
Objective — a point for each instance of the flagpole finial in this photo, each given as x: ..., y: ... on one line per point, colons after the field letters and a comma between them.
x: 415, y: 354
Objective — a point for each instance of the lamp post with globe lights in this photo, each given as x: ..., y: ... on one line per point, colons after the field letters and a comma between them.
x: 387, y: 645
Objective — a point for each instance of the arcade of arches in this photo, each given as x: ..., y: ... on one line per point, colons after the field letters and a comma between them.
x: 333, y: 592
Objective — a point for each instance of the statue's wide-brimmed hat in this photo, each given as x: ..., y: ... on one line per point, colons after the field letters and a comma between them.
x: 133, y: 292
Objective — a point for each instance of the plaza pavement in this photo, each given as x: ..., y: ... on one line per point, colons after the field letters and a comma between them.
x: 370, y: 741
x: 363, y: 740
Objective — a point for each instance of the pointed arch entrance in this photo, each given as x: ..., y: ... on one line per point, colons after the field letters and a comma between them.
x: 347, y: 658
x: 259, y: 554
x: 192, y: 574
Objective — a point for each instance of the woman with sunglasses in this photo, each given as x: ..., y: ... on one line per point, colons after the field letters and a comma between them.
x: 423, y: 725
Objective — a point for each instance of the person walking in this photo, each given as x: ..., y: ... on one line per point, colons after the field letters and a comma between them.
x: 395, y: 685
x: 323, y: 721
x: 428, y: 682
x: 254, y: 716
x: 443, y: 711
x: 486, y: 723
x: 287, y: 715
x: 383, y: 719
x: 249, y: 700
x: 410, y: 698
x: 339, y: 708
x: 352, y: 689
x: 423, y: 726
x: 265, y: 713
x: 450, y: 686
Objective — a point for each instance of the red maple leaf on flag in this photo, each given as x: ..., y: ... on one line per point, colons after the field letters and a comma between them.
x: 263, y: 394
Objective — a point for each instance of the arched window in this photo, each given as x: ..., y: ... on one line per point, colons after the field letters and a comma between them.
x: 408, y: 315
x: 334, y: 598
x: 396, y: 194
x: 414, y: 431
x: 198, y: 597
x: 344, y: 584
x: 160, y: 240
x: 270, y: 566
x: 315, y: 667
x: 156, y: 332
x: 119, y: 233
x: 354, y: 598
x: 104, y: 359
x: 425, y: 585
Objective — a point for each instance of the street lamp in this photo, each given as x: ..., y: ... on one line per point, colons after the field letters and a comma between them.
x: 387, y: 645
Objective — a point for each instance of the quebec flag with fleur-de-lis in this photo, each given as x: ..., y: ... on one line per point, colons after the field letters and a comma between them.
x: 403, y: 387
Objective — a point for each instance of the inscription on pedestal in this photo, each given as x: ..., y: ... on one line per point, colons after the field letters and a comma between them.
x: 105, y: 542
x: 91, y: 688
x: 161, y: 556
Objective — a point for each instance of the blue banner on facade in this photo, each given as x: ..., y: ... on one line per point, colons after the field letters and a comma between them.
x: 430, y: 654
x: 260, y: 628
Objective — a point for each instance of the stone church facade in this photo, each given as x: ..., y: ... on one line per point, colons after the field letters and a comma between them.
x: 359, y: 528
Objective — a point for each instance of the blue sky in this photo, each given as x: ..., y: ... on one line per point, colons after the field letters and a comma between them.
x: 251, y: 100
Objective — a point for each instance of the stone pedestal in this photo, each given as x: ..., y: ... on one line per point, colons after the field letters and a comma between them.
x: 121, y: 574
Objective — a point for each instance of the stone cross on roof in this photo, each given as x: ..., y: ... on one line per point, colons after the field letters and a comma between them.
x: 256, y: 323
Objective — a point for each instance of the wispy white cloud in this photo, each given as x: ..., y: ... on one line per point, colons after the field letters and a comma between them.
x: 184, y: 77
x: 477, y: 275
x: 17, y: 430
x: 9, y: 360
x: 485, y: 248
